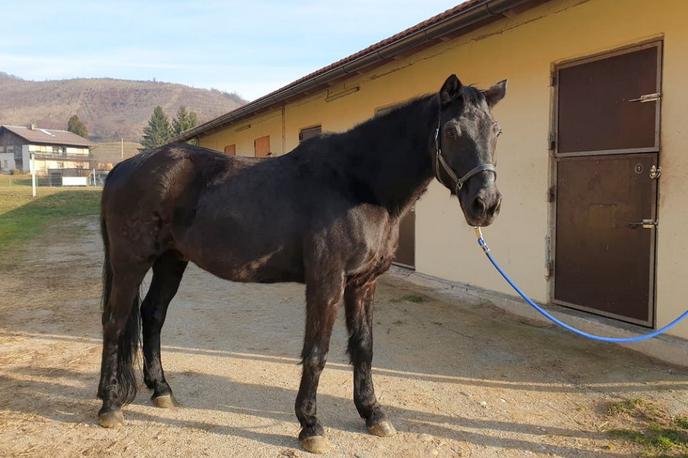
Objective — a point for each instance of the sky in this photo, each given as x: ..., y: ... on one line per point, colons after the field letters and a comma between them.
x: 247, y: 47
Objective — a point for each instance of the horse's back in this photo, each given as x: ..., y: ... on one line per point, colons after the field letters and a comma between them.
x: 144, y: 196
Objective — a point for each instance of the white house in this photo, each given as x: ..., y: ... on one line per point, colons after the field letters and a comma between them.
x: 51, y: 148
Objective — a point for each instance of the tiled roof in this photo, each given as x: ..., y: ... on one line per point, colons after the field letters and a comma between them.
x: 48, y: 136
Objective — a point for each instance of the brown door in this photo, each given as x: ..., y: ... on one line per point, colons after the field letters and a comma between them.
x: 606, y: 149
x: 406, y: 251
x: 230, y: 150
x: 604, y: 255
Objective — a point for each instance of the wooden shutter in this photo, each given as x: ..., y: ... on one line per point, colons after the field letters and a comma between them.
x: 262, y: 146
x: 230, y: 150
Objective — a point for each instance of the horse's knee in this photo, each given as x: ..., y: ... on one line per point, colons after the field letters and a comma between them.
x: 313, y: 358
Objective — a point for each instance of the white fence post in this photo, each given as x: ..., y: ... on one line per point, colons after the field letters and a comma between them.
x: 32, y: 166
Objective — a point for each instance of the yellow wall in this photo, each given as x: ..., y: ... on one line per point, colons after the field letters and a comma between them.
x: 523, y: 49
x: 243, y: 133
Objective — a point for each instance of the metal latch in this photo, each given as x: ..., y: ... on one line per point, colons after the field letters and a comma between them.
x: 647, y: 98
x: 645, y: 224
x: 655, y: 172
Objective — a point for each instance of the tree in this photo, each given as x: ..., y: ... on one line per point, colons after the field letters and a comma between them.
x: 158, y: 131
x: 75, y: 126
x: 185, y: 120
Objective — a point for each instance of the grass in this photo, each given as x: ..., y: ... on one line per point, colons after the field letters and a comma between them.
x: 23, y: 217
x: 652, y: 429
x: 416, y: 299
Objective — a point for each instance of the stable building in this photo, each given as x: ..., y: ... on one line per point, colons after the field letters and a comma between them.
x: 592, y: 161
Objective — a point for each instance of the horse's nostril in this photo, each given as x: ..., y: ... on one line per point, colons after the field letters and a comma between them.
x: 479, y: 206
x: 495, y: 208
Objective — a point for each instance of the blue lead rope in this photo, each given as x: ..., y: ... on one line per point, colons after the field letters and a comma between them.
x: 557, y: 321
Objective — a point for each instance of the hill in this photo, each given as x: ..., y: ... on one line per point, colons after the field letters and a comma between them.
x: 110, y: 108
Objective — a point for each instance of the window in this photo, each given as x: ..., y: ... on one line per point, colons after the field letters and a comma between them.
x: 261, y: 146
x: 230, y: 150
x: 309, y: 132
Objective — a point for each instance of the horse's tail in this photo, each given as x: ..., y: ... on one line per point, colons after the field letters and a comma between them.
x: 129, y: 338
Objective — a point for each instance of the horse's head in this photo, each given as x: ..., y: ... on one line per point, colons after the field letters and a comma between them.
x: 465, y: 143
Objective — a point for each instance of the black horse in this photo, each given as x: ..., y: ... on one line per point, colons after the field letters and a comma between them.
x: 326, y: 214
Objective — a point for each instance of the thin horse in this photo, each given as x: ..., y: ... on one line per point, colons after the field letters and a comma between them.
x: 326, y: 214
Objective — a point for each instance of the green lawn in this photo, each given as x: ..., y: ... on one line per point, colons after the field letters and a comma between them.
x: 23, y: 217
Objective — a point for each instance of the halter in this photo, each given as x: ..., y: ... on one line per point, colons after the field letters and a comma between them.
x: 439, y: 161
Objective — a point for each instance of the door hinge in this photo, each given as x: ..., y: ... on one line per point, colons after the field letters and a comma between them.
x: 552, y: 141
x: 655, y: 172
x: 552, y: 193
x: 645, y: 98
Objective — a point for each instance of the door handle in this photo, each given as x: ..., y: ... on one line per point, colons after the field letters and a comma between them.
x: 645, y: 224
x: 645, y: 98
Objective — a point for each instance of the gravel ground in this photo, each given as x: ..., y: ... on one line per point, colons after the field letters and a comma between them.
x: 457, y: 380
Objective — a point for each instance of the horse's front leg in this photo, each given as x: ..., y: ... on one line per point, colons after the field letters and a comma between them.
x: 359, y: 321
x: 323, y: 294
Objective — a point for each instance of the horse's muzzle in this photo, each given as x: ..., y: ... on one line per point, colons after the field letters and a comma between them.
x: 483, y: 207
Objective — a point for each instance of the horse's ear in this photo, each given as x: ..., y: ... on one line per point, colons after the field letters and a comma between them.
x: 451, y: 90
x: 495, y: 93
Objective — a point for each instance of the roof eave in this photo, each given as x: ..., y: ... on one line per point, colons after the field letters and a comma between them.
x: 33, y: 142
x: 463, y: 19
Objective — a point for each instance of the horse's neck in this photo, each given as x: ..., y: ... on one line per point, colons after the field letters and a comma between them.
x: 395, y: 157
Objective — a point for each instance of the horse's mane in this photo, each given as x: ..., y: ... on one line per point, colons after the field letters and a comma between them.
x: 472, y: 95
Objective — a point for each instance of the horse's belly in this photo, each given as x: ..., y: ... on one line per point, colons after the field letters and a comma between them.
x: 259, y: 270
x: 243, y: 259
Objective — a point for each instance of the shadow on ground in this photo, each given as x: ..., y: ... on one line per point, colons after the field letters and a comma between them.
x: 63, y: 403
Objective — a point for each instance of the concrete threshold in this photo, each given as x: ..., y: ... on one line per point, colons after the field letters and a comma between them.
x: 670, y: 349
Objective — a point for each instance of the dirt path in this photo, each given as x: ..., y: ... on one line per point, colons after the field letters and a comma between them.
x: 457, y: 380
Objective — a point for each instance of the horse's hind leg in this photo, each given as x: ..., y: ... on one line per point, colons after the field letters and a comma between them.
x: 323, y: 295
x: 358, y: 301
x: 120, y: 339
x: 168, y: 270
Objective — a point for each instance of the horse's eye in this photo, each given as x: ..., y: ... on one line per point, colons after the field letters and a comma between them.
x: 453, y: 130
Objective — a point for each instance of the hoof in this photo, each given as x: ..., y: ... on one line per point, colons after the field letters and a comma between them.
x: 166, y: 401
x: 382, y: 429
x: 111, y: 419
x: 315, y: 444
